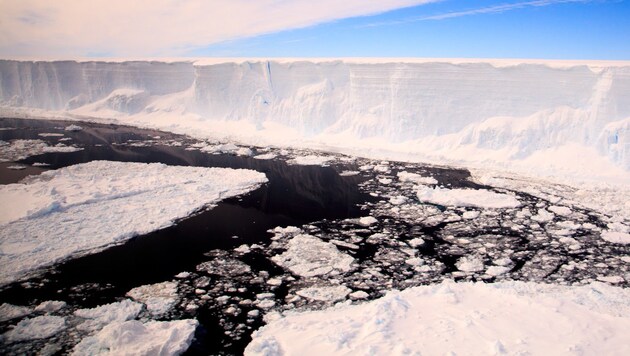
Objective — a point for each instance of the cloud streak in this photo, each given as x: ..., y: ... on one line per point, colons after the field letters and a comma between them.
x: 161, y: 27
x: 495, y: 9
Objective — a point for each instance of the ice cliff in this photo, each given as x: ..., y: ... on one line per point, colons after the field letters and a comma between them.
x: 508, y: 112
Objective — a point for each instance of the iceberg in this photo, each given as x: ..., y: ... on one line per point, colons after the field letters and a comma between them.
x: 516, y: 112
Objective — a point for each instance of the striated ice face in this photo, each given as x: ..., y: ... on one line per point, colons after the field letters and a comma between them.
x: 452, y: 109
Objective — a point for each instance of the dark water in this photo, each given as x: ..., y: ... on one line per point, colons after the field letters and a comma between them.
x: 294, y: 195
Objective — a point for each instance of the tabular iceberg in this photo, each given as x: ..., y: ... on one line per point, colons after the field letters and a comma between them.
x: 509, y: 110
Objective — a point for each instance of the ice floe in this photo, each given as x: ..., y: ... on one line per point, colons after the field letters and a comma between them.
x: 72, y: 210
x: 325, y: 293
x: 136, y: 338
x: 16, y: 150
x: 96, y: 318
x: 616, y: 237
x: 159, y: 298
x: 10, y: 311
x: 480, y: 198
x: 39, y: 327
x: 450, y: 318
x: 310, y: 160
x: 308, y: 256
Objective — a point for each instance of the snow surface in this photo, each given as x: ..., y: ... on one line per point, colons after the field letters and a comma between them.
x: 70, y: 211
x: 541, y: 117
x: 137, y: 338
x: 464, y: 319
x: 480, y: 198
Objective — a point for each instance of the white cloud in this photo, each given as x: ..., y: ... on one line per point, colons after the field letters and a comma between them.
x: 160, y: 27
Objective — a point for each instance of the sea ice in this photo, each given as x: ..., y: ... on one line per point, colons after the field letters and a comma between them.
x: 10, y: 311
x: 159, y: 298
x: 50, y: 306
x: 616, y: 237
x: 479, y: 198
x: 136, y: 338
x: 73, y: 127
x: 415, y: 178
x: 325, y: 293
x: 311, y: 160
x: 103, y: 315
x: 39, y: 327
x: 308, y: 256
x: 470, y: 264
x: 20, y: 149
x: 72, y: 210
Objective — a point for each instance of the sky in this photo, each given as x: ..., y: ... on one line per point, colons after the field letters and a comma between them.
x: 548, y: 29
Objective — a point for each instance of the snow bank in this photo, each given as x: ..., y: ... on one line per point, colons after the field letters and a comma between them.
x: 479, y: 198
x: 136, y: 338
x: 539, y: 116
x: 72, y: 211
x: 463, y: 319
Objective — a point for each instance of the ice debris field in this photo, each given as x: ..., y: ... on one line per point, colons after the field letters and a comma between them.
x: 442, y: 261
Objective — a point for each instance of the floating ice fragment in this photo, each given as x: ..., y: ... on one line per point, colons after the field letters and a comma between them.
x: 108, y: 313
x: 367, y: 221
x: 40, y: 327
x: 415, y: 178
x: 136, y: 338
x: 470, y: 264
x: 308, y: 256
x: 159, y: 298
x: 73, y: 128
x: 50, y: 306
x: 10, y: 311
x: 479, y: 198
x: 359, y: 295
x: 311, y: 160
x: 325, y: 294
x: 616, y: 237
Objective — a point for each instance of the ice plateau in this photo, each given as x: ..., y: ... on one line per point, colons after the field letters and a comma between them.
x: 513, y: 113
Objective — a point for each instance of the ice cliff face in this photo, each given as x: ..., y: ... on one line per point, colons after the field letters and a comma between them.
x: 519, y: 108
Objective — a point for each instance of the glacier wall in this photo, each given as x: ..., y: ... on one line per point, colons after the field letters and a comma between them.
x: 522, y: 107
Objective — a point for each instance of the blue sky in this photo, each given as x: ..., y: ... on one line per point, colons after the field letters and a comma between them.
x: 555, y: 29
x: 552, y: 29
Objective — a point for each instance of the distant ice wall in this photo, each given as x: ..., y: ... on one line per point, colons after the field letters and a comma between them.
x: 522, y: 107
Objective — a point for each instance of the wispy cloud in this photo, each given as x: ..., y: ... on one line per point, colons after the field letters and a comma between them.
x: 161, y: 27
x: 494, y: 9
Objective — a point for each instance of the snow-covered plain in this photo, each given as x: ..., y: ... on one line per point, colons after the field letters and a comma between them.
x: 508, y: 318
x: 71, y: 211
x: 568, y: 119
